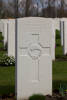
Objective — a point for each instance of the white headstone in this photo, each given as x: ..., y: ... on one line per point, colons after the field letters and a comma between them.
x: 34, y: 62
x: 62, y: 20
x: 61, y: 31
x: 1, y: 27
x: 57, y: 23
x: 11, y: 37
x: 5, y: 22
x: 65, y: 37
x: 5, y: 33
x: 53, y: 40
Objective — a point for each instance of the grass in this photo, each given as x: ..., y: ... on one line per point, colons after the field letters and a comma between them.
x: 59, y: 73
x: 7, y: 80
x: 1, y: 37
x: 59, y: 48
x: 1, y: 45
x: 59, y: 51
x: 59, y: 67
x: 2, y: 53
x: 7, y: 75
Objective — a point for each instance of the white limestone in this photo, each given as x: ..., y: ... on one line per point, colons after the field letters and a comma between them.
x: 1, y: 27
x: 62, y: 20
x: 5, y: 28
x: 56, y: 26
x: 65, y: 37
x: 57, y: 23
x: 61, y: 31
x: 5, y: 32
x: 11, y: 37
x: 34, y: 61
x: 53, y: 41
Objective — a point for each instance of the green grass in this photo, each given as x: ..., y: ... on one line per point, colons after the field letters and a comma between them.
x: 2, y: 53
x: 59, y: 73
x: 1, y: 45
x: 59, y: 67
x: 1, y: 37
x: 59, y: 48
x: 59, y: 51
x: 60, y: 70
x: 7, y: 80
x: 7, y: 75
x: 58, y: 42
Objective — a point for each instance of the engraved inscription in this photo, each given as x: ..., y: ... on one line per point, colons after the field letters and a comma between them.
x: 34, y: 51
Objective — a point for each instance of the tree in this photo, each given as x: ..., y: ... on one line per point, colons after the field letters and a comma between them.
x: 22, y: 8
x: 1, y: 8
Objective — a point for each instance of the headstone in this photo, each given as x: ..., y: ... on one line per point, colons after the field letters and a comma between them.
x: 57, y: 24
x: 53, y: 41
x: 5, y: 22
x: 65, y: 38
x: 62, y: 20
x: 5, y: 32
x: 34, y: 61
x: 1, y: 27
x: 61, y: 31
x: 11, y: 37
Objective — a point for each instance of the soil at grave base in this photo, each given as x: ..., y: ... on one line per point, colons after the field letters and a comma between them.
x: 56, y: 98
x: 8, y: 97
x: 48, y: 97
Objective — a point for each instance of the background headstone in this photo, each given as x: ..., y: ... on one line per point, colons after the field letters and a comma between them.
x: 1, y: 27
x: 4, y: 32
x: 11, y: 37
x: 57, y: 23
x: 53, y: 40
x: 61, y: 31
x: 65, y: 37
x: 62, y: 20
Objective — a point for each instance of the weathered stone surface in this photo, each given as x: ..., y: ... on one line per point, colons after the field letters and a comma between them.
x: 11, y: 37
x: 34, y: 61
x: 65, y: 37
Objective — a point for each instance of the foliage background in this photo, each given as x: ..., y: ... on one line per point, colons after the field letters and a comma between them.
x: 43, y: 8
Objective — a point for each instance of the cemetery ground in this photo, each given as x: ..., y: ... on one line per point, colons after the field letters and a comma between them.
x: 7, y: 75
